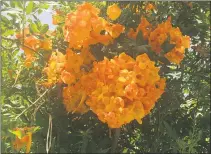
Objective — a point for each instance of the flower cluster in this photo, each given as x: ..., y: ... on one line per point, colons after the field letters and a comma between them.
x: 159, y: 35
x: 126, y: 89
x: 117, y: 90
x: 87, y: 28
x: 156, y: 37
x: 31, y: 44
x: 181, y: 42
x: 145, y: 27
x: 76, y: 92
x: 67, y: 68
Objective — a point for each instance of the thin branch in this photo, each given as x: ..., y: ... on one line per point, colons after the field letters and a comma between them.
x: 8, y: 49
x: 32, y: 50
x: 109, y: 132
x: 35, y: 111
x: 32, y: 104
x: 19, y: 72
x: 49, y: 135
x: 9, y: 39
x: 22, y: 44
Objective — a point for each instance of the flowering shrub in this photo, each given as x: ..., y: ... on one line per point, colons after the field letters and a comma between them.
x: 118, y: 90
x: 105, y: 66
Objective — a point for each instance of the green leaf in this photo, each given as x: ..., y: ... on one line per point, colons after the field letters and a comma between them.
x: 33, y: 28
x: 44, y: 28
x: 7, y: 105
x: 104, y: 150
x: 92, y: 147
x: 166, y: 46
x: 29, y: 7
x: 12, y: 3
x: 38, y: 23
x: 62, y: 150
x: 140, y: 39
x: 104, y: 142
x: 5, y: 3
x: 19, y: 4
x: 35, y: 129
x: 4, y: 19
x: 35, y: 17
x: 40, y: 11
x: 16, y: 133
x: 171, y: 132
x: 44, y: 6
x: 164, y: 60
x: 13, y: 11
x: 142, y: 49
x: 125, y: 150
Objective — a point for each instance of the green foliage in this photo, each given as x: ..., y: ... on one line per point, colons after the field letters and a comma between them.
x: 33, y: 28
x: 166, y: 46
x: 180, y: 121
x: 29, y: 7
x: 44, y: 28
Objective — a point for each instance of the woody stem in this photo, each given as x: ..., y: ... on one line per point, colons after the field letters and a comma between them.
x: 115, y: 139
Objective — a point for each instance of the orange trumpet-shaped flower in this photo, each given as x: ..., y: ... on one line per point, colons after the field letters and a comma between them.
x: 74, y: 61
x: 74, y: 99
x: 46, y: 44
x: 23, y: 138
x: 145, y: 27
x: 181, y: 42
x: 113, y: 12
x: 54, y: 68
x: 159, y: 35
x: 149, y: 7
x: 115, y: 30
x: 30, y: 46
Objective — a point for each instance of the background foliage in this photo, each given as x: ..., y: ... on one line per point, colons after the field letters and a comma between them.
x: 180, y: 122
